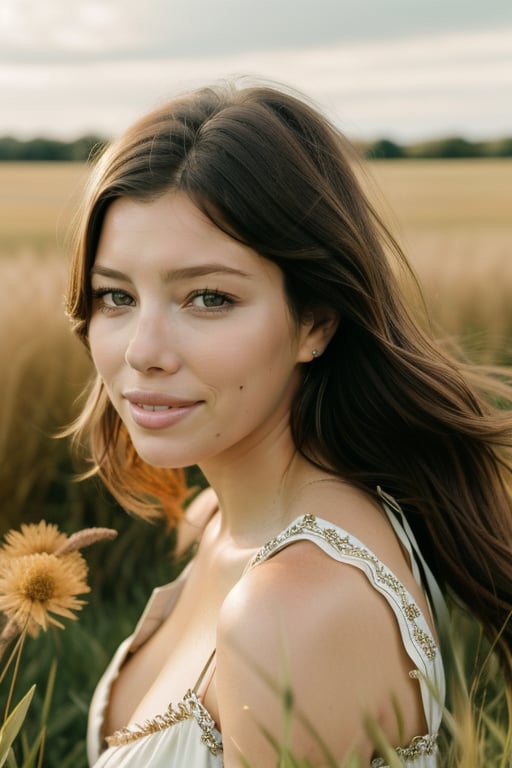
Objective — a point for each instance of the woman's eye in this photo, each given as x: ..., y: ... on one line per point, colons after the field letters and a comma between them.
x: 111, y: 299
x: 210, y: 300
x: 120, y: 298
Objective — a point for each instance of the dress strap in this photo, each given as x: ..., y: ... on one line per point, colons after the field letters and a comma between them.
x: 403, y: 530
x: 205, y: 678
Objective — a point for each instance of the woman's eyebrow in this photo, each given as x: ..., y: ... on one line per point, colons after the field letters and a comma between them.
x: 200, y: 270
x: 107, y: 272
x: 174, y: 275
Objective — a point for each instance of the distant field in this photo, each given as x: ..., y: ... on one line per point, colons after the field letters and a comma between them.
x: 452, y: 217
x: 36, y: 203
x: 448, y: 195
x: 425, y: 196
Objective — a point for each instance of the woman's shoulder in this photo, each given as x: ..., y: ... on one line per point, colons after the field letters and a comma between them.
x: 298, y: 585
x: 320, y: 629
x: 293, y: 581
x: 303, y: 584
x: 294, y: 584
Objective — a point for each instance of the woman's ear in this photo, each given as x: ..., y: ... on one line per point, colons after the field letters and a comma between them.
x: 317, y: 327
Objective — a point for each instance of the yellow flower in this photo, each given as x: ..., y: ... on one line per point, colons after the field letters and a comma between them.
x: 32, y: 539
x: 41, y: 573
x: 34, y: 588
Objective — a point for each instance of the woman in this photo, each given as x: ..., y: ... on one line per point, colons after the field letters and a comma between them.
x: 236, y: 291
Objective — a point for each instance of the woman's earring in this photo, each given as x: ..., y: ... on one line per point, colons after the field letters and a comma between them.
x: 315, y: 352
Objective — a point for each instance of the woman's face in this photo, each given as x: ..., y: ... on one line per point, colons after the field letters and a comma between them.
x: 191, y: 334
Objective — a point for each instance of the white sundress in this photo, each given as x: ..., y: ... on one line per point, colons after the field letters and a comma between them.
x: 186, y: 734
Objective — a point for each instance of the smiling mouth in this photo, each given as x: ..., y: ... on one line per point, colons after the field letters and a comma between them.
x: 155, y: 407
x: 166, y: 412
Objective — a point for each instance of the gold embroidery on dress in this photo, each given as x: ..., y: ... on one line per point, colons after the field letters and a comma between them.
x: 190, y: 707
x: 420, y: 746
x: 345, y: 546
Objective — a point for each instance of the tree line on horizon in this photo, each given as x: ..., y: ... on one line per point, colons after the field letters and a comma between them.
x: 87, y: 147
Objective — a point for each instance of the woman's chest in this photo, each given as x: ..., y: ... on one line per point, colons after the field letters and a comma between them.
x: 174, y: 657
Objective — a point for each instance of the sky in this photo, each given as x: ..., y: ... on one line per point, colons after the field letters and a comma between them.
x: 403, y: 69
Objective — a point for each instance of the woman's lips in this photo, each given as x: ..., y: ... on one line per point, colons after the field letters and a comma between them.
x: 153, y: 410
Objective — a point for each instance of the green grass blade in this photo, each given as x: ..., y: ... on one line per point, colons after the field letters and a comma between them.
x: 12, y: 725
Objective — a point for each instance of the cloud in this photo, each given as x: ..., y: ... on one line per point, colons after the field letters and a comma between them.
x: 55, y: 30
x: 75, y: 30
x: 407, y: 89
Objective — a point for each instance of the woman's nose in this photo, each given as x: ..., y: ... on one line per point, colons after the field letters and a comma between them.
x: 151, y: 347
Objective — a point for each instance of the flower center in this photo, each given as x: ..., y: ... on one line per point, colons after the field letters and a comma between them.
x: 39, y: 587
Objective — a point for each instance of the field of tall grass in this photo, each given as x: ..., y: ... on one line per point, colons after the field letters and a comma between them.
x: 453, y: 220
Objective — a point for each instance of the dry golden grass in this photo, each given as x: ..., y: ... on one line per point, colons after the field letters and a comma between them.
x: 43, y: 367
x: 448, y: 195
x: 36, y: 202
x: 43, y: 370
x: 453, y: 220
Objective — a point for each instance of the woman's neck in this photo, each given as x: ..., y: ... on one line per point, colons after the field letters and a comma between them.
x: 255, y: 488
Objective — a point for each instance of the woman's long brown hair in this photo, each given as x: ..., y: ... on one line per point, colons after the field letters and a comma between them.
x: 384, y: 405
